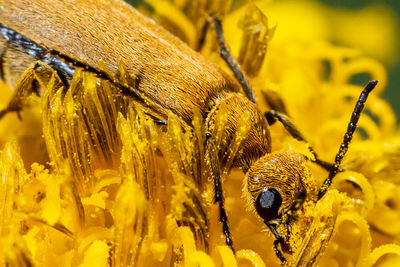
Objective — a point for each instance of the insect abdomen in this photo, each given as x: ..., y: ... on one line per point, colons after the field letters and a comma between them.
x: 171, y: 75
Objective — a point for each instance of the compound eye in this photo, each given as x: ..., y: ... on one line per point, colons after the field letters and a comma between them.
x: 268, y: 203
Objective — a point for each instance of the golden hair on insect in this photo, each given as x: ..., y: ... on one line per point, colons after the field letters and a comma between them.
x: 161, y: 75
x: 276, y: 183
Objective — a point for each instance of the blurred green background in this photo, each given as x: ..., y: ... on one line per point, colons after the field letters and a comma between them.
x: 392, y: 93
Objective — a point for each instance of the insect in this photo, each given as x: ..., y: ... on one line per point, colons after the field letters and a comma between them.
x: 38, y: 43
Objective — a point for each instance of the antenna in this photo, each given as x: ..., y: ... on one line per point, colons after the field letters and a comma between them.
x: 351, y: 127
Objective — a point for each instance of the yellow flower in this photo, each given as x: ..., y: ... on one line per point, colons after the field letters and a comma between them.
x: 121, y: 191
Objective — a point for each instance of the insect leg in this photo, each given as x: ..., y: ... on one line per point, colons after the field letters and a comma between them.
x: 30, y: 82
x: 203, y: 34
x: 219, y: 197
x: 278, y: 240
x: 351, y: 127
x: 273, y: 116
x: 230, y: 60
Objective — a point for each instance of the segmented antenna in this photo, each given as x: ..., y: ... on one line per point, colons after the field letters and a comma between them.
x: 347, y: 137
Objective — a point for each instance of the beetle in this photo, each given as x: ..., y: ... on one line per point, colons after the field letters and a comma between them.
x: 38, y: 42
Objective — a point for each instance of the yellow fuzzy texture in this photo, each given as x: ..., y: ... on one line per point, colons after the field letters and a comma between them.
x: 136, y: 195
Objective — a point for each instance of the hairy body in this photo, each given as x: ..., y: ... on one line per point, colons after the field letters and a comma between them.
x: 47, y: 38
x: 170, y: 76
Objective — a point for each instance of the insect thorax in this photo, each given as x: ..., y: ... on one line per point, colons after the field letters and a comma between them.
x: 240, y: 130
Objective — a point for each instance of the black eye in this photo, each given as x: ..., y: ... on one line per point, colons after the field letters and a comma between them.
x: 268, y: 203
